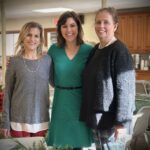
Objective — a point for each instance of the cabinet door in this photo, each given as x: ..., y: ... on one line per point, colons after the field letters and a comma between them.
x: 127, y: 31
x: 146, y: 33
x: 121, y: 33
x: 131, y: 32
x: 134, y: 31
x: 138, y: 34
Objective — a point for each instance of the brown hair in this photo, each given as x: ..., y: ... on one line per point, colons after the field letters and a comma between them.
x: 19, y: 49
x: 112, y: 11
x: 62, y: 20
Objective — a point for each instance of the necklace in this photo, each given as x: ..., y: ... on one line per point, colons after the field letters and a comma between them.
x: 26, y: 66
x: 109, y: 43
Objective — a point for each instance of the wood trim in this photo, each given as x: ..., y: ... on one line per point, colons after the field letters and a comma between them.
x: 133, y: 10
x: 9, y: 32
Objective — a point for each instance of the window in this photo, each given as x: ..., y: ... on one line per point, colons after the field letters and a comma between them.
x: 50, y: 36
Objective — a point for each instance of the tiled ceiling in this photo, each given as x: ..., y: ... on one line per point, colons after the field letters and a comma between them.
x: 23, y: 8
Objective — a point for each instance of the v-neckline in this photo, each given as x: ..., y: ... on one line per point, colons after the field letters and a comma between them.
x: 74, y: 55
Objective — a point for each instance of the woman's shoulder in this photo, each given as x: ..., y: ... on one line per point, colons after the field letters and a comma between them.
x: 86, y: 48
x: 53, y: 48
x: 47, y: 57
x: 15, y: 59
x: 87, y: 45
x: 120, y: 46
x: 120, y: 51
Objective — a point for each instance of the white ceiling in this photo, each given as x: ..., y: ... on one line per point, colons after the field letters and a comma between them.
x: 23, y: 8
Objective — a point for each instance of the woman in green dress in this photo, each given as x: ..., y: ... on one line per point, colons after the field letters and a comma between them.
x: 69, y: 56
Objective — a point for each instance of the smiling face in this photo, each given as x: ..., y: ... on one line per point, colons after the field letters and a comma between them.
x: 32, y: 40
x: 105, y: 26
x: 69, y: 30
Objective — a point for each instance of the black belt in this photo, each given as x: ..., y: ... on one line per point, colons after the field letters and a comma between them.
x: 68, y: 88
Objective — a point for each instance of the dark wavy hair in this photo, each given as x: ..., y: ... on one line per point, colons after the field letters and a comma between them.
x: 62, y: 20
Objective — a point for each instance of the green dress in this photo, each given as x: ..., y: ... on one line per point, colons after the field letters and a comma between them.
x: 65, y: 129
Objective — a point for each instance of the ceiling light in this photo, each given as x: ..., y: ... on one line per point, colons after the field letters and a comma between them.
x: 52, y: 10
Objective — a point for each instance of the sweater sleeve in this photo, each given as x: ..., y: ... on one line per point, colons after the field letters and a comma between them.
x: 124, y: 85
x: 8, y: 92
x: 50, y: 53
x: 51, y: 78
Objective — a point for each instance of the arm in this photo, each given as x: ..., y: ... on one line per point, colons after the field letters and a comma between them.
x: 8, y: 92
x: 124, y: 88
x: 51, y: 78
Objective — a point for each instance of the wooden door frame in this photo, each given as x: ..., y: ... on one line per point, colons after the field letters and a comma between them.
x: 46, y: 31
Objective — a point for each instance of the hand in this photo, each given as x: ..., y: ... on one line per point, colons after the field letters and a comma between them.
x: 119, y: 130
x: 5, y: 132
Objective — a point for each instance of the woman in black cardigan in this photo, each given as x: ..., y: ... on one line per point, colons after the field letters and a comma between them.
x: 108, y: 84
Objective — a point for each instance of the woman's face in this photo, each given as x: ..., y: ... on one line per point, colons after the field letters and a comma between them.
x: 69, y: 30
x: 32, y: 40
x: 105, y: 26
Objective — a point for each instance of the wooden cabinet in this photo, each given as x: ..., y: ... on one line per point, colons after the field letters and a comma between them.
x: 139, y: 35
x: 134, y: 31
x: 126, y: 31
x: 142, y: 75
x: 146, y: 32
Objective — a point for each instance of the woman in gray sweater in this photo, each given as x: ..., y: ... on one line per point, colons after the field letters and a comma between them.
x: 26, y: 98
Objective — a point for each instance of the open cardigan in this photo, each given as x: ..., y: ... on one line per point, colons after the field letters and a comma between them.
x: 108, y: 86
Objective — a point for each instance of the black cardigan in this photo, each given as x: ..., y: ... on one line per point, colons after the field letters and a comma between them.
x: 108, y: 86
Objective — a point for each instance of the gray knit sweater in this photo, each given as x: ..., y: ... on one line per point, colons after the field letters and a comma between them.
x: 26, y: 97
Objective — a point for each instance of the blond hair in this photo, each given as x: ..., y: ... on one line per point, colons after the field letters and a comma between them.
x: 19, y: 49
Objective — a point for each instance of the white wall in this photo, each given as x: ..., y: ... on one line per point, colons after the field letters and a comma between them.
x: 47, y: 22
x: 11, y: 40
x: 13, y: 25
x: 88, y: 27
